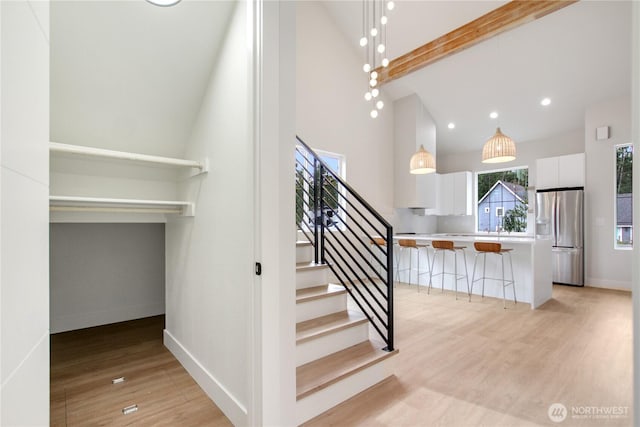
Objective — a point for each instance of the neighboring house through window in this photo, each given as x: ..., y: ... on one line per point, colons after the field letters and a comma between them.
x: 502, y: 200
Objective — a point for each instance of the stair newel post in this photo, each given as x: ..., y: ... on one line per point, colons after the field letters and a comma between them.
x: 316, y: 206
x: 322, y: 209
x: 390, y: 324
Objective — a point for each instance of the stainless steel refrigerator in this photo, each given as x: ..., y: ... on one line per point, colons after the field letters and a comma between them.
x: 560, y: 217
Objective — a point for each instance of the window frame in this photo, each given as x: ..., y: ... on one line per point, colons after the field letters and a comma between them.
x: 616, y: 227
x: 341, y: 172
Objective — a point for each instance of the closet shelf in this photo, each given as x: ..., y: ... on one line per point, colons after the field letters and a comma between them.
x: 56, y: 147
x: 95, y: 204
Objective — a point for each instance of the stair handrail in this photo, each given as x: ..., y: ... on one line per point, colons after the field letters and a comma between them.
x: 354, y: 270
x: 345, y: 184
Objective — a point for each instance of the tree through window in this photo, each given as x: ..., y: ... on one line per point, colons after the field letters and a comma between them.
x: 334, y: 193
x: 624, y: 197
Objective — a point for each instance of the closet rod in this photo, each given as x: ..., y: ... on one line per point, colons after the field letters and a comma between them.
x: 114, y: 210
x: 95, y: 204
x: 57, y: 147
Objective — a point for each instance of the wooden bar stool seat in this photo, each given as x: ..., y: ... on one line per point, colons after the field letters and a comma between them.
x: 378, y: 244
x: 444, y: 246
x: 492, y: 248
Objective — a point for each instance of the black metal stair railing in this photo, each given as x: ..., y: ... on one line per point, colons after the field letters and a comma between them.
x: 348, y: 235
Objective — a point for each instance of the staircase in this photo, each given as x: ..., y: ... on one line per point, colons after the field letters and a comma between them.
x: 335, y: 356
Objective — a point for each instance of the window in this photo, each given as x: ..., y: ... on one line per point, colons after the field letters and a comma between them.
x: 334, y: 193
x: 624, y: 198
x: 503, y: 192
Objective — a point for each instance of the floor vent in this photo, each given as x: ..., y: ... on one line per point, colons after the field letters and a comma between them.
x: 130, y: 409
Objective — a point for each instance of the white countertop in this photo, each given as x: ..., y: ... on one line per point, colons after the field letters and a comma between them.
x: 470, y: 237
x: 531, y: 262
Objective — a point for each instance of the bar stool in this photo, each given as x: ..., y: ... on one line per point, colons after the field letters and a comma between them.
x: 412, y: 246
x: 488, y: 248
x: 377, y: 243
x: 444, y: 246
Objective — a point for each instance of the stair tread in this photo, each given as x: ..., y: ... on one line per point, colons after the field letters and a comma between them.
x: 319, y: 374
x: 303, y: 243
x: 321, y: 326
x: 317, y: 292
x: 310, y: 265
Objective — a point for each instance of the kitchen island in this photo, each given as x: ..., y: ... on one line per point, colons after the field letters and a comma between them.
x: 531, y: 266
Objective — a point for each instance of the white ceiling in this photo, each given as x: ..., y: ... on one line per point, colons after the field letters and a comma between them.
x: 576, y: 56
x: 128, y: 75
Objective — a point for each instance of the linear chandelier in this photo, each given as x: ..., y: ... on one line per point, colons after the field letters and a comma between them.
x: 374, y: 42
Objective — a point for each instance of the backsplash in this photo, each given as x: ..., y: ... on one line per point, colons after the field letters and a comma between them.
x: 406, y: 221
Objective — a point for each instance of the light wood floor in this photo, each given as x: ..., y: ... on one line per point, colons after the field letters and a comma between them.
x: 84, y: 362
x: 471, y: 364
x: 460, y: 364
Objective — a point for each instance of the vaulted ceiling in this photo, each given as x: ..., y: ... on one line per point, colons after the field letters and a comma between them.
x: 577, y: 56
x: 128, y: 75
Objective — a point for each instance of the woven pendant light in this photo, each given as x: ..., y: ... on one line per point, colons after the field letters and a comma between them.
x: 498, y: 149
x: 422, y: 162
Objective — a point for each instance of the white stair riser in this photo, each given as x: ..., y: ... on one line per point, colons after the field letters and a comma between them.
x: 304, y: 253
x: 320, y: 307
x: 311, y: 277
x: 311, y: 350
x: 331, y: 396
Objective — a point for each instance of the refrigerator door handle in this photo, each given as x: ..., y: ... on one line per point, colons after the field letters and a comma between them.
x: 556, y: 218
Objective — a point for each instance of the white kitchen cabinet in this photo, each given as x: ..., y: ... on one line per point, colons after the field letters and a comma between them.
x: 571, y: 170
x: 547, y: 173
x: 463, y: 193
x: 455, y: 194
x: 561, y: 171
x: 445, y: 194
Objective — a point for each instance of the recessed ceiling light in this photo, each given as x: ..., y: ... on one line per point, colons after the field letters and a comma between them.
x: 493, y: 115
x: 451, y: 125
x: 545, y: 101
x: 164, y: 3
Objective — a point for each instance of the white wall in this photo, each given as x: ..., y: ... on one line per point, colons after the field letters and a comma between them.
x: 605, y: 266
x: 275, y: 383
x: 24, y: 191
x: 105, y: 273
x: 210, y: 257
x: 331, y: 111
x: 527, y: 153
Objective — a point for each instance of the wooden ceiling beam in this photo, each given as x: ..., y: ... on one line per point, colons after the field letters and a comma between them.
x: 504, y: 18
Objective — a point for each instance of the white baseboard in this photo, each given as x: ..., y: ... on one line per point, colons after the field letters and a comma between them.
x: 96, y: 318
x: 617, y: 285
x: 234, y: 410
